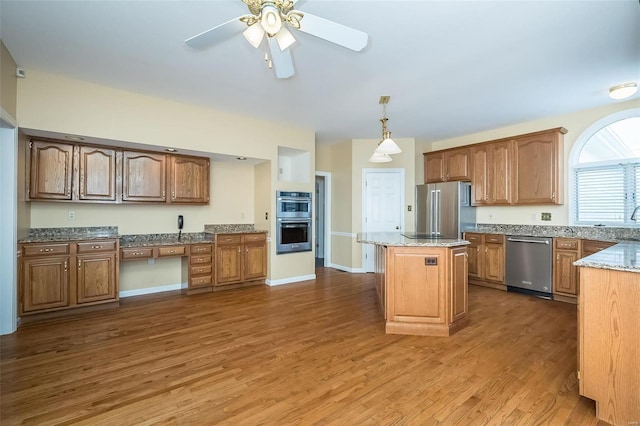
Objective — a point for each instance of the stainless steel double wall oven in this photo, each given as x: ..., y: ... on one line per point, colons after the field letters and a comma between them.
x: 293, y: 221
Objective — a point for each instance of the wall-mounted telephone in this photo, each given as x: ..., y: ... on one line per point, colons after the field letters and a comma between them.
x: 180, y: 221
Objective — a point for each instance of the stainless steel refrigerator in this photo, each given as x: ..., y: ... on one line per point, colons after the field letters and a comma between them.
x: 443, y: 210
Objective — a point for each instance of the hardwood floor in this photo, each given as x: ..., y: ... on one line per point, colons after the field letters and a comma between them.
x: 305, y: 353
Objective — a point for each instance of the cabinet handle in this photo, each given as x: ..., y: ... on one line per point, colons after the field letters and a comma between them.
x: 96, y: 247
x: 46, y: 250
x: 558, y: 257
x: 172, y: 251
x: 163, y: 193
x: 239, y: 250
x: 486, y: 249
x: 173, y: 195
x: 79, y: 263
x: 553, y: 196
x: 65, y: 266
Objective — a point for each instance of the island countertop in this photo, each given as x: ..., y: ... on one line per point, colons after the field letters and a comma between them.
x: 624, y: 256
x: 396, y: 239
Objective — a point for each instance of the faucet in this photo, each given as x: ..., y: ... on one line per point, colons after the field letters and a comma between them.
x: 635, y: 212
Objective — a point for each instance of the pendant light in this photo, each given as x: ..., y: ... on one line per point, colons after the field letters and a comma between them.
x: 386, y: 146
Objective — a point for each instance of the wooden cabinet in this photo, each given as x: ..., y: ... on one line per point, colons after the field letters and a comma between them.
x: 198, y: 268
x: 590, y: 247
x: 189, y: 180
x: 240, y: 258
x: 96, y: 173
x: 491, y: 176
x: 143, y: 177
x: 56, y: 276
x: 486, y: 259
x: 51, y: 170
x: 426, y: 290
x: 537, y: 168
x: 61, y: 171
x: 565, y: 275
x: 449, y: 165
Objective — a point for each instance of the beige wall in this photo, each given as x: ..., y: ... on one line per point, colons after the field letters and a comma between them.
x: 8, y: 81
x: 341, y: 204
x: 323, y: 157
x: 58, y: 104
x: 576, y: 123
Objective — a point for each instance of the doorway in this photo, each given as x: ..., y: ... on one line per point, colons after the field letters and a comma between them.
x: 322, y: 213
x: 382, y: 207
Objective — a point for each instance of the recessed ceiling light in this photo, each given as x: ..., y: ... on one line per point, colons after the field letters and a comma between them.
x: 171, y: 150
x: 623, y: 91
x: 241, y: 158
x: 74, y: 138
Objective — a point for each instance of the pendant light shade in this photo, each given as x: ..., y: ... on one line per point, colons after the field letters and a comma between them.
x: 388, y: 146
x: 378, y: 157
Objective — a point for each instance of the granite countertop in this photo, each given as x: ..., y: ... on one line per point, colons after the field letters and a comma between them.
x: 396, y: 239
x: 624, y: 256
x: 46, y: 235
x: 232, y: 228
x: 145, y: 240
x: 600, y: 233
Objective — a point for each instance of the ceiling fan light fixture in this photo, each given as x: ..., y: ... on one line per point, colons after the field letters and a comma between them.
x: 623, y: 91
x: 285, y: 38
x: 379, y: 157
x: 271, y: 21
x: 254, y: 34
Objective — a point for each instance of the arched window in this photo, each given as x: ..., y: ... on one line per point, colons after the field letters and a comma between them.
x: 605, y: 172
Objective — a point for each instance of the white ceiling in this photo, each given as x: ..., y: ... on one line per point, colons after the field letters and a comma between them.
x: 450, y: 67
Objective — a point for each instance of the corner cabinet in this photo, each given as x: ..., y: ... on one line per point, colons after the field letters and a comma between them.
x: 240, y: 259
x: 64, y: 275
x: 449, y: 165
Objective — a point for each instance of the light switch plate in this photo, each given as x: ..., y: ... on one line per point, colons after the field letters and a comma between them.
x: 545, y: 216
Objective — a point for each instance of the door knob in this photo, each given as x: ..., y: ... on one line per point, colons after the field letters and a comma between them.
x: 397, y: 227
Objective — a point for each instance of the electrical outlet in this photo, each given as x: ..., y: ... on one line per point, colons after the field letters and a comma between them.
x: 71, y: 215
x: 408, y: 208
x: 545, y: 216
x: 266, y: 215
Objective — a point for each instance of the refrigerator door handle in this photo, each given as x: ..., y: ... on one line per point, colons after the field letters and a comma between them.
x: 437, y: 212
x: 432, y: 219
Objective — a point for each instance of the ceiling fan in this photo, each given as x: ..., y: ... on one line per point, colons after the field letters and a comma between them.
x: 269, y: 17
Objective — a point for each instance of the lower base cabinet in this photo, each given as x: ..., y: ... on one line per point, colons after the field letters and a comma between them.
x: 240, y: 258
x: 58, y: 276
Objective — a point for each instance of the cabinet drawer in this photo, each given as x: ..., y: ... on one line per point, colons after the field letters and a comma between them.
x: 195, y: 260
x: 229, y: 239
x: 473, y: 238
x: 171, y: 251
x: 96, y: 246
x: 201, y: 281
x: 200, y: 248
x: 566, y: 243
x: 496, y: 239
x: 45, y: 249
x: 249, y: 238
x: 136, y: 253
x: 591, y: 246
x: 200, y: 270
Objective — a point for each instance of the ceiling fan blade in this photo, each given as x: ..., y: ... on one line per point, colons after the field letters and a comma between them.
x: 333, y: 32
x: 216, y: 34
x: 281, y: 59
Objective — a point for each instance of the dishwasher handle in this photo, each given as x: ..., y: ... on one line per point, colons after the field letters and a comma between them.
x: 519, y: 240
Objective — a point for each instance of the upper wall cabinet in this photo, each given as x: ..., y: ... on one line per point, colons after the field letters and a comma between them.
x: 144, y: 177
x: 447, y: 165
x: 189, y: 180
x: 491, y: 179
x: 537, y: 168
x: 51, y: 171
x: 97, y: 174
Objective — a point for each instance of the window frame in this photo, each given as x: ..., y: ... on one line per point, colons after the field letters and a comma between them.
x: 574, y: 157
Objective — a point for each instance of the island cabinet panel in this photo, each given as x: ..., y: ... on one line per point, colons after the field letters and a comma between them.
x: 143, y: 177
x: 189, y: 180
x: 96, y: 173
x: 538, y: 169
x: 425, y: 290
x: 45, y: 283
x: 51, y: 171
x: 609, y: 343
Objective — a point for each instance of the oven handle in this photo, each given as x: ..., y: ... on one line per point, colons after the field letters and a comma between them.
x: 280, y: 219
x: 298, y: 200
x: 518, y: 240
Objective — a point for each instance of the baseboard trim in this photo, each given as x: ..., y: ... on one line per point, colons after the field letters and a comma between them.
x: 290, y: 280
x: 348, y: 269
x: 151, y: 290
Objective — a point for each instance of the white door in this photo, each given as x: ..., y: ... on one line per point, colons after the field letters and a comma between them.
x: 382, y: 206
x: 8, y: 224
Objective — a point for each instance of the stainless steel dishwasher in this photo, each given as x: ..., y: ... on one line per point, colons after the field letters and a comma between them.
x: 529, y: 261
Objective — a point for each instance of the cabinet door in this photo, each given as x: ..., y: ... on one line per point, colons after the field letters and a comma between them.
x: 51, y: 171
x: 565, y: 275
x: 476, y: 260
x: 189, y: 180
x: 494, y: 262
x: 459, y: 281
x: 96, y: 278
x: 500, y: 173
x: 457, y: 165
x: 143, y: 177
x: 45, y: 283
x: 480, y: 175
x: 536, y: 166
x: 433, y: 168
x: 228, y: 264
x: 97, y: 170
x: 255, y: 261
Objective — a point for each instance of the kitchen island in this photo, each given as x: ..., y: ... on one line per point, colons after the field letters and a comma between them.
x: 421, y: 283
x: 609, y: 332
